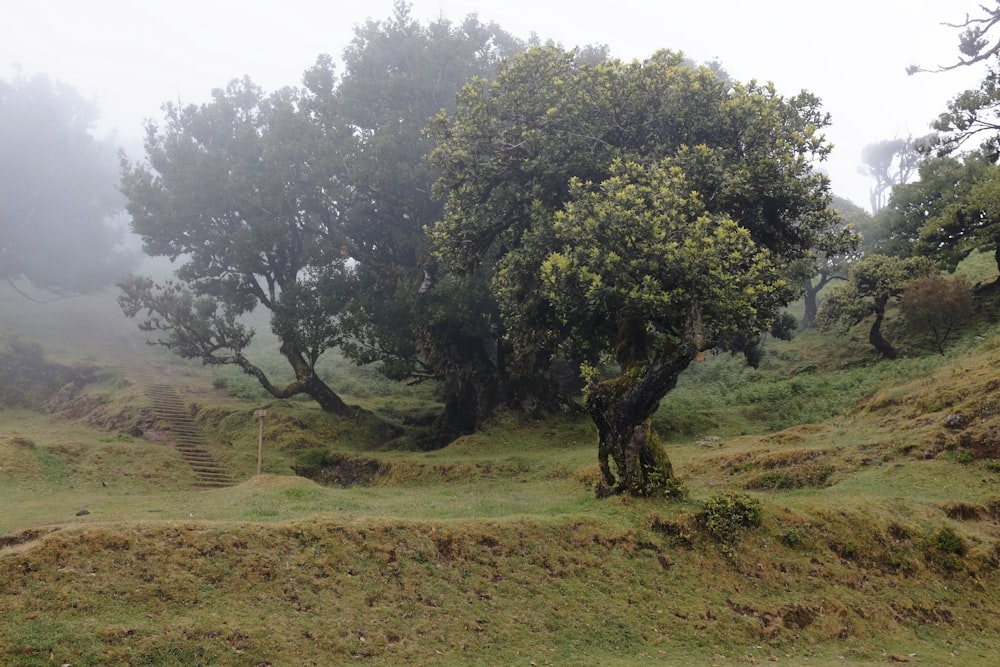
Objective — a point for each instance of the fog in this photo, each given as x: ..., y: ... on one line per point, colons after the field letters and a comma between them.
x: 132, y: 57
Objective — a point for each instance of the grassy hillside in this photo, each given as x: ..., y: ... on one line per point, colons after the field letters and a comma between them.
x: 839, y: 511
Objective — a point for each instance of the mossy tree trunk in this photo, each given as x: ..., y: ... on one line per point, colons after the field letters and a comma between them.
x: 306, y: 380
x: 621, y: 410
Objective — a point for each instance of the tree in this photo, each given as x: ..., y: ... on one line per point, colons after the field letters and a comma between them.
x: 901, y: 229
x: 972, y: 112
x: 622, y: 161
x: 357, y: 184
x: 873, y: 282
x: 889, y: 163
x: 233, y: 188
x: 969, y: 217
x: 827, y: 267
x: 57, y: 184
x: 972, y: 43
x: 669, y: 279
x: 936, y: 307
x: 405, y: 315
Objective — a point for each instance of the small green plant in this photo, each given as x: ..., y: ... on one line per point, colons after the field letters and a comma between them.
x: 849, y: 550
x: 947, y: 541
x: 792, y: 538
x: 310, y: 462
x: 946, y: 548
x: 726, y: 516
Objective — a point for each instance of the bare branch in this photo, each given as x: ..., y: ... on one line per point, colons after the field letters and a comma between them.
x: 972, y: 42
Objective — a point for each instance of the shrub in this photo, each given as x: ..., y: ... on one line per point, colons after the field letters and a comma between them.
x: 946, y: 548
x: 947, y: 541
x: 727, y: 515
x: 935, y: 308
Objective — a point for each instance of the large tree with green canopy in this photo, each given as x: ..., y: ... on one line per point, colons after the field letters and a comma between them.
x: 645, y: 212
x: 405, y: 315
x: 244, y: 191
x: 312, y: 203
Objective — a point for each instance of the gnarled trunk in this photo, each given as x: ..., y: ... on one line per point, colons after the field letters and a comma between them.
x: 306, y: 381
x: 621, y: 409
x: 461, y: 411
x: 877, y: 340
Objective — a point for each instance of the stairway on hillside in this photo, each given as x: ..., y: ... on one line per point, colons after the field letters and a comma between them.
x: 187, y: 438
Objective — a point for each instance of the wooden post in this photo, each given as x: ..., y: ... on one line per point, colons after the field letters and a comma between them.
x: 260, y: 439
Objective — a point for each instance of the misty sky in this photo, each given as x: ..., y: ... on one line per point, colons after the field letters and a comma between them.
x: 133, y: 55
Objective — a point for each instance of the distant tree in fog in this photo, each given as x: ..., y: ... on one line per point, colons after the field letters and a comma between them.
x: 58, y: 191
x: 890, y: 163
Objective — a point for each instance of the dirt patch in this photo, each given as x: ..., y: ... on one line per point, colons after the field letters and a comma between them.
x: 23, y: 537
x: 983, y: 441
x: 343, y: 470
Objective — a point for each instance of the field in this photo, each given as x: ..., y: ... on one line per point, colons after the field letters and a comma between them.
x: 839, y: 510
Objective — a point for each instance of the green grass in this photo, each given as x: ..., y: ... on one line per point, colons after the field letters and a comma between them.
x: 878, y: 532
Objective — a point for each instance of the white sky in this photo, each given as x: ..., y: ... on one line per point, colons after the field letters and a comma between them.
x: 133, y: 55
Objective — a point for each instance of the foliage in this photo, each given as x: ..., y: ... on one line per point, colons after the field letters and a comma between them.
x: 644, y: 246
x: 728, y: 515
x: 873, y: 282
x: 977, y: 111
x: 57, y: 185
x: 578, y: 179
x: 916, y: 211
x: 405, y: 314
x: 935, y: 308
x: 971, y: 219
x: 225, y: 188
x: 947, y: 541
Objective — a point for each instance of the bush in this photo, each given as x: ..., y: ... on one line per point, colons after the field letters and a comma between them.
x: 947, y: 541
x: 946, y: 548
x: 727, y: 515
x: 935, y: 308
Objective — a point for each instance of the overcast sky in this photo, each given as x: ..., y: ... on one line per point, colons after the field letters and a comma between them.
x: 133, y: 55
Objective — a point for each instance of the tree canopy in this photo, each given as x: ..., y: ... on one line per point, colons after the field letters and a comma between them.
x: 406, y: 314
x: 311, y: 203
x: 968, y: 218
x: 231, y: 187
x: 577, y: 180
x: 57, y: 184
x: 975, y: 112
x: 941, y: 188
